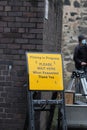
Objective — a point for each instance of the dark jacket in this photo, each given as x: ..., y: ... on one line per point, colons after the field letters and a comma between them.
x: 80, y: 55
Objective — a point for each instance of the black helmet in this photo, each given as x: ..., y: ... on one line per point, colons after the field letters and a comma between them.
x: 81, y: 37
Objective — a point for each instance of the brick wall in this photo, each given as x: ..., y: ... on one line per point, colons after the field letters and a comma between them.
x: 21, y: 27
x: 21, y: 30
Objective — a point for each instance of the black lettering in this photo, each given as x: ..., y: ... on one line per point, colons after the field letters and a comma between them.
x: 51, y: 77
x: 41, y: 76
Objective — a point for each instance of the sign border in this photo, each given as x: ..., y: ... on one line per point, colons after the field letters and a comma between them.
x: 28, y: 79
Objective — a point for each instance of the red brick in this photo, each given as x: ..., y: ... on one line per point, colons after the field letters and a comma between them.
x: 3, y: 2
x: 7, y: 8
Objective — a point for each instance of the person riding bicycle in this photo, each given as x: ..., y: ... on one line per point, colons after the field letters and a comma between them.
x: 80, y: 53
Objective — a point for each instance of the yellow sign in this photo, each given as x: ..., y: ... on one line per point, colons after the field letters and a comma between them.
x: 45, y: 71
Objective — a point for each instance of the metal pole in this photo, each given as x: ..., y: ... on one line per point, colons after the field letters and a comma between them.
x: 31, y: 111
x: 64, y: 113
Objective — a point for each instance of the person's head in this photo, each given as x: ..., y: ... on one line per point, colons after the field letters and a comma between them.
x: 82, y: 39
